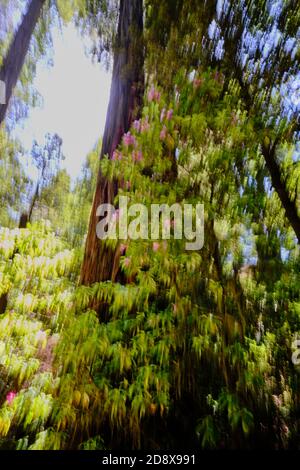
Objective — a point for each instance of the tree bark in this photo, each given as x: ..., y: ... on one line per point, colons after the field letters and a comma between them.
x: 288, y: 204
x: 3, y: 303
x: 100, y: 262
x: 269, y: 153
x: 14, y: 60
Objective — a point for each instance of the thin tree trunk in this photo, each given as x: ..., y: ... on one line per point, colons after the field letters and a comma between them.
x: 14, y: 60
x: 269, y: 153
x: 3, y: 302
x: 33, y: 202
x: 101, y: 263
x: 287, y: 202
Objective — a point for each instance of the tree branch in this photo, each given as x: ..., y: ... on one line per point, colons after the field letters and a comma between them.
x: 290, y: 207
x: 15, y: 58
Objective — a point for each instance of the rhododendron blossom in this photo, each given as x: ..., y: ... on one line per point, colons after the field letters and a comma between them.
x: 10, y: 397
x: 116, y: 215
x: 167, y: 223
x: 153, y: 95
x: 123, y: 248
x: 163, y: 115
x: 137, y: 156
x: 137, y: 125
x: 170, y: 114
x: 145, y: 126
x: 129, y: 139
x: 116, y: 155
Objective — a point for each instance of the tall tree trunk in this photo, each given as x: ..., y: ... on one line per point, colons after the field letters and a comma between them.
x: 289, y: 204
x: 101, y: 263
x: 14, y: 60
x: 26, y: 217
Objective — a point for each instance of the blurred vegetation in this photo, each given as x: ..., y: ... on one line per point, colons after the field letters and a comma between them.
x: 184, y: 349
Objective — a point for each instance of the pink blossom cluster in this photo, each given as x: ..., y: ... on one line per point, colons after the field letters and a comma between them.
x: 10, y: 397
x: 137, y: 125
x: 169, y: 223
x: 154, y: 95
x: 137, y: 155
x: 117, y: 155
x: 157, y: 246
x: 129, y: 140
x: 123, y: 248
x: 145, y: 126
x: 166, y: 115
x: 142, y: 125
x: 116, y: 215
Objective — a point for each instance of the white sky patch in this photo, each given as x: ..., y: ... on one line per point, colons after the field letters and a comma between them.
x: 75, y: 96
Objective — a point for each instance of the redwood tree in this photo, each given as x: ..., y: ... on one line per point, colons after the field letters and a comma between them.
x: 100, y: 262
x: 14, y: 60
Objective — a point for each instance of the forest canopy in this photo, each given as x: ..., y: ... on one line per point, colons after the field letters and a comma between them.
x: 137, y: 342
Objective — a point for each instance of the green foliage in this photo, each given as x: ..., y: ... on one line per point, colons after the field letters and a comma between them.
x: 180, y: 330
x: 14, y: 182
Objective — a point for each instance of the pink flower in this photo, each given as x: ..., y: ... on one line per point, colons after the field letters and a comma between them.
x: 163, y: 133
x: 156, y: 246
x: 145, y: 126
x: 167, y: 223
x: 129, y: 139
x: 137, y: 125
x: 10, y: 397
x: 153, y: 95
x: 123, y: 248
x: 127, y: 262
x: 116, y: 155
x: 116, y: 215
x: 163, y: 115
x: 170, y: 114
x: 137, y: 156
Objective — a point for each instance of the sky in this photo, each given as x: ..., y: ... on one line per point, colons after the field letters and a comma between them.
x: 75, y: 96
x: 75, y: 93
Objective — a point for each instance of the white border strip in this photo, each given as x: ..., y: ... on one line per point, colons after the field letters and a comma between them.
x: 2, y: 92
